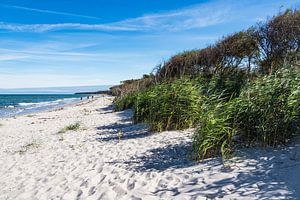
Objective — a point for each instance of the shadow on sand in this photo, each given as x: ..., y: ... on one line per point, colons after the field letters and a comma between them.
x: 123, y: 131
x: 264, y: 174
x: 163, y: 158
x: 267, y: 174
x: 123, y: 128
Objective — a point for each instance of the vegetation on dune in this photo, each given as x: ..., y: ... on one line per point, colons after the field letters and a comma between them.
x: 126, y: 102
x: 177, y: 104
x: 242, y: 90
x: 168, y: 106
x: 278, y: 41
x: 129, y: 86
x: 267, y: 112
x: 72, y: 127
x: 268, y: 109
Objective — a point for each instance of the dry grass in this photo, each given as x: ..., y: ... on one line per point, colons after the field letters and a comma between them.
x: 25, y: 148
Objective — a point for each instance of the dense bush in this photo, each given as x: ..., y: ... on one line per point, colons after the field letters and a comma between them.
x: 130, y: 86
x: 214, y: 133
x: 125, y: 102
x: 226, y: 85
x: 165, y: 106
x: 266, y: 112
x: 177, y: 104
x: 278, y: 41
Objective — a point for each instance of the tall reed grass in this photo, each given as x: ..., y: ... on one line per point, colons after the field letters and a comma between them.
x: 165, y: 106
x: 265, y: 113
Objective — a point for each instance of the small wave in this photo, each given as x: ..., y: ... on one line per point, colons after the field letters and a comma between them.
x: 47, y: 103
x: 9, y: 106
x: 27, y: 104
x: 39, y: 104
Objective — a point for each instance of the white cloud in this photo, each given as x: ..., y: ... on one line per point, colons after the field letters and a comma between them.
x: 49, y: 11
x: 193, y: 17
x: 63, y: 26
x: 57, y: 56
x: 11, y: 57
x: 188, y: 18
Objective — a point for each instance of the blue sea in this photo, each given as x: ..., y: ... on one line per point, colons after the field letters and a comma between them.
x: 25, y: 101
x: 18, y: 104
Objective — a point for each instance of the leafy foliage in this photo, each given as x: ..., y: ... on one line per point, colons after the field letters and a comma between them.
x: 126, y: 102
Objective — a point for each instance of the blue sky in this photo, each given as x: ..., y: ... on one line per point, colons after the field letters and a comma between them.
x: 96, y: 42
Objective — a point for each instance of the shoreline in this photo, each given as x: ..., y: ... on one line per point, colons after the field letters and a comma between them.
x: 108, y: 157
x: 50, y: 108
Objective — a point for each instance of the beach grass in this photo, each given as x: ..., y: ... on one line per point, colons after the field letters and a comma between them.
x: 72, y: 127
x: 25, y: 148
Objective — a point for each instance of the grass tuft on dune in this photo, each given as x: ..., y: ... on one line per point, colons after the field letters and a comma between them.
x: 72, y: 127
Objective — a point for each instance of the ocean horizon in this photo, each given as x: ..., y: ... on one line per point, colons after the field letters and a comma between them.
x: 55, y: 90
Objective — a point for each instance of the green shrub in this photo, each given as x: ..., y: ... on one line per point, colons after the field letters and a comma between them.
x: 164, y: 106
x: 226, y: 85
x: 126, y: 102
x: 177, y: 104
x: 169, y: 105
x: 266, y: 112
x: 214, y: 134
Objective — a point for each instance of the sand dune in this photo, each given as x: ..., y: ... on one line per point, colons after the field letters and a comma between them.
x: 108, y: 157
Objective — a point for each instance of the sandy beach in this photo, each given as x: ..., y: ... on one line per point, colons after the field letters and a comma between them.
x: 108, y: 157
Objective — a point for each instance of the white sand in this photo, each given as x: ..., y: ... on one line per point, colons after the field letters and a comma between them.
x: 91, y: 163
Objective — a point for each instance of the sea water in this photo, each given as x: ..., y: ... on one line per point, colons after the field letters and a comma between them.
x: 18, y: 104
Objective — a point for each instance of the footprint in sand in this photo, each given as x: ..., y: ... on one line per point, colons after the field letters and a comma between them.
x: 100, y: 169
x: 102, y: 178
x: 130, y: 184
x: 92, y: 191
x: 85, y: 183
x: 79, y: 194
